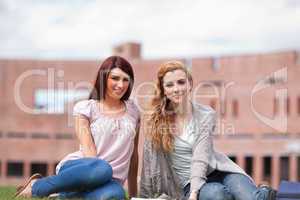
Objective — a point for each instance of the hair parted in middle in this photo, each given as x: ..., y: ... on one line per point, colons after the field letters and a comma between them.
x: 162, y: 118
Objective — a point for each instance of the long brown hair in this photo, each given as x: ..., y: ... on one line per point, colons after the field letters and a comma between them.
x: 162, y: 119
x: 99, y: 89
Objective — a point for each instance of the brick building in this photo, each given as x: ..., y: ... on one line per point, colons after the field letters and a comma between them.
x: 257, y: 98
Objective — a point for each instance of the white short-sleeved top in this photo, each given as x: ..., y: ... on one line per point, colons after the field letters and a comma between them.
x: 113, y: 136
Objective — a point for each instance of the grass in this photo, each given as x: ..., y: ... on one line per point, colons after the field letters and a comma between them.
x: 7, y: 193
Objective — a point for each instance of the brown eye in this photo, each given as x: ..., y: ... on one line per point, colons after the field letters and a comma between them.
x: 126, y: 80
x: 181, y: 82
x: 116, y: 78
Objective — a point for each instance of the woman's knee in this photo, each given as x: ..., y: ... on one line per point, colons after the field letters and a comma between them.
x: 215, y: 191
x: 100, y: 171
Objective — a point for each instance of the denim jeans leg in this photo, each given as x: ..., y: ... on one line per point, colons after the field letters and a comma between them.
x: 214, y: 191
x: 243, y: 188
x: 75, y: 175
x: 110, y: 190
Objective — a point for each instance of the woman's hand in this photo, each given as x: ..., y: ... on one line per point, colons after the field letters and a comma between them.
x: 193, y: 195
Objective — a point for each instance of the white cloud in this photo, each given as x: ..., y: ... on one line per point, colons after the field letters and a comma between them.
x: 89, y: 28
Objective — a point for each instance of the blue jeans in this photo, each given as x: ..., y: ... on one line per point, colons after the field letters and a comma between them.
x: 229, y: 186
x: 87, y: 178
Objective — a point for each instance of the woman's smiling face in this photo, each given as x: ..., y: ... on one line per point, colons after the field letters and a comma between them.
x: 117, y: 83
x: 176, y: 86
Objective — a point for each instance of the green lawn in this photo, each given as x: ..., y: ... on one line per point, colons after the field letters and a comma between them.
x: 7, y: 193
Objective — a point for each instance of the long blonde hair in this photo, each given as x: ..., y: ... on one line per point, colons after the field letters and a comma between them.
x: 162, y: 118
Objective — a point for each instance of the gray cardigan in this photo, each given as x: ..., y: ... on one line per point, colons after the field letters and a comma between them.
x: 157, y: 176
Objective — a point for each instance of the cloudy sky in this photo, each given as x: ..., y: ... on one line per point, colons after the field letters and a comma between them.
x: 88, y: 29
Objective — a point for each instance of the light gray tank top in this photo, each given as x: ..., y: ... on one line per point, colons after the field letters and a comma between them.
x: 181, y: 157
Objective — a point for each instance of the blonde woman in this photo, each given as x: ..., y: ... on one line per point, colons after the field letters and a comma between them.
x: 179, y: 159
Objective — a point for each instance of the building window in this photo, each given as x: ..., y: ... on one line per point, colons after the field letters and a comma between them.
x: 284, y: 168
x: 249, y: 165
x: 241, y: 136
x: 16, y: 135
x: 53, y: 101
x: 40, y: 136
x: 235, y: 108
x: 275, y: 106
x: 15, y: 169
x: 233, y: 158
x: 279, y: 136
x: 267, y: 170
x: 215, y: 64
x: 63, y: 136
x: 288, y: 106
x: 223, y: 107
x: 41, y: 168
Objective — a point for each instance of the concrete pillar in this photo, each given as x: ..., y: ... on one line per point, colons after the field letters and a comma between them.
x: 50, y: 168
x: 4, y: 169
x: 257, y: 169
x: 275, y: 171
x: 241, y: 161
x: 293, y: 168
x: 298, y: 167
x: 27, y: 169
